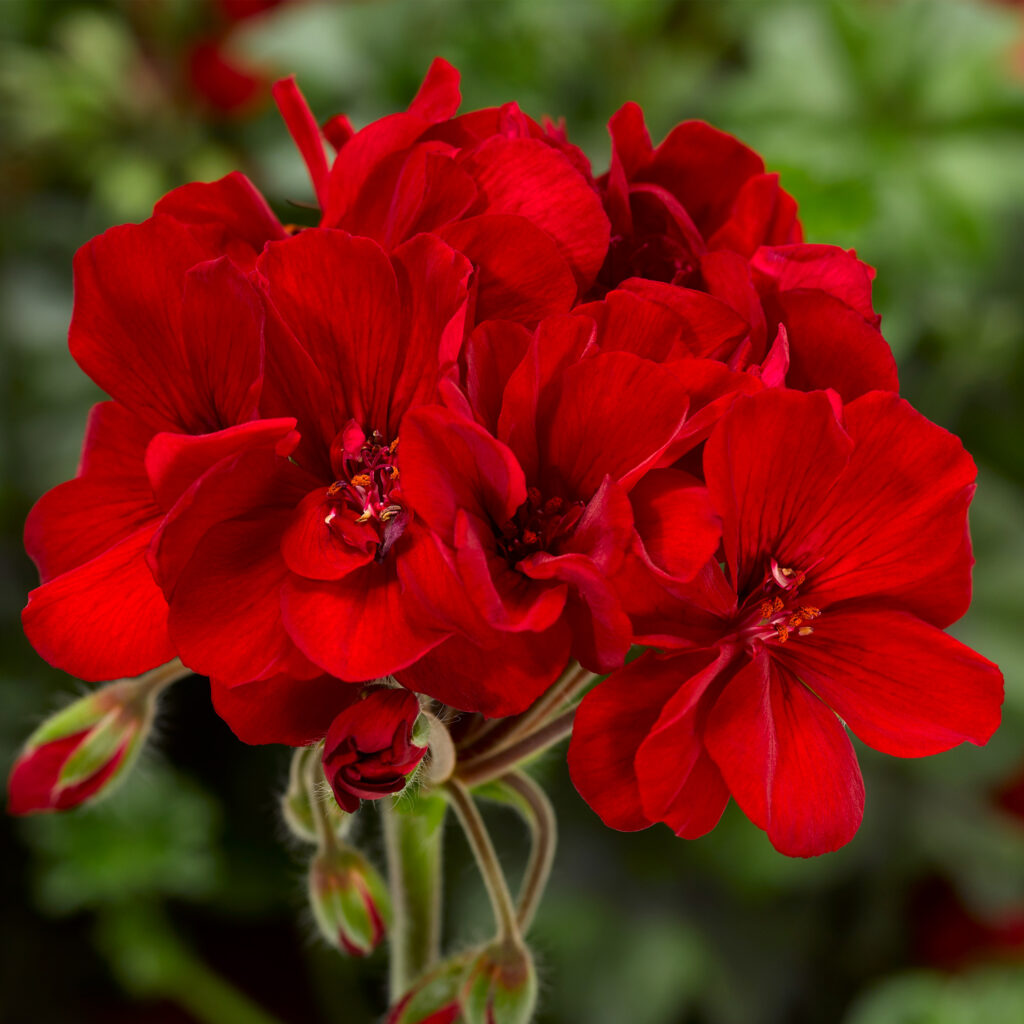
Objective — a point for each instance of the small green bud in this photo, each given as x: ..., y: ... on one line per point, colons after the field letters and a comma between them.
x: 349, y: 899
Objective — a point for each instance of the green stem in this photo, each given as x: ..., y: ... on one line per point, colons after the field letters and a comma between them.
x: 503, y: 732
x: 540, y: 815
x: 487, y: 860
x: 412, y: 836
x: 491, y: 764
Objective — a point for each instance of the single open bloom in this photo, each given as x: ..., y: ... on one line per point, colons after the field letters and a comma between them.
x: 280, y: 565
x: 846, y: 553
x: 699, y: 191
x: 525, y: 490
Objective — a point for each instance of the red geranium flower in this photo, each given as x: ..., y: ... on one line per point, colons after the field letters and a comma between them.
x: 288, y: 563
x: 700, y: 191
x: 846, y: 553
x: 530, y: 505
x: 518, y: 201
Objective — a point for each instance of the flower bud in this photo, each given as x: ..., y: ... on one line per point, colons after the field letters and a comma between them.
x: 373, y: 747
x: 349, y: 899
x: 82, y: 751
x: 500, y: 986
x: 434, y: 998
x: 303, y: 800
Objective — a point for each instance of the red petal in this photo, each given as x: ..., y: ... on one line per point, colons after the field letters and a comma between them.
x: 904, y: 687
x: 521, y: 275
x: 108, y: 502
x: 282, y: 709
x: 325, y: 543
x: 762, y: 214
x: 447, y: 463
x: 502, y: 679
x: 438, y: 97
x: 768, y: 465
x: 359, y: 627
x: 677, y: 526
x: 360, y: 159
x: 374, y: 720
x: 679, y: 783
x: 433, y: 287
x: 106, y: 619
x: 340, y: 297
x: 530, y: 178
x: 704, y: 168
x: 712, y: 327
x: 787, y: 760
x: 820, y: 268
x: 231, y: 207
x: 897, y: 514
x: 490, y: 355
x: 305, y: 132
x: 126, y: 329
x: 611, y: 724
x: 832, y: 346
x: 174, y: 462
x: 613, y: 415
x: 226, y: 608
x: 630, y: 141
x: 222, y: 334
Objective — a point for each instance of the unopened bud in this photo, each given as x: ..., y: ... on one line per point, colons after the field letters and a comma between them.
x: 84, y: 750
x: 370, y: 750
x: 349, y: 899
x: 434, y: 998
x: 500, y: 986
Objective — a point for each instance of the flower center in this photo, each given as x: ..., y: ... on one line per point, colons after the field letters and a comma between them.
x: 774, y: 613
x: 537, y: 525
x: 366, y: 484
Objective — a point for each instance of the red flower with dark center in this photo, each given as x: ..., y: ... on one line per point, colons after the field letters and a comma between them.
x: 533, y: 519
x: 369, y: 751
x: 306, y: 550
x: 846, y: 550
x: 699, y: 191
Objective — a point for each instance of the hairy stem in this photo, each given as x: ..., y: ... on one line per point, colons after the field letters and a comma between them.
x: 540, y: 815
x: 412, y: 834
x: 162, y: 676
x: 491, y: 764
x: 503, y: 732
x: 487, y: 860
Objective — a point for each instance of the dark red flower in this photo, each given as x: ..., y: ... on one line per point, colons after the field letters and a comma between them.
x: 291, y: 563
x: 532, y: 511
x: 515, y: 199
x: 369, y: 751
x: 698, y: 192
x: 846, y: 551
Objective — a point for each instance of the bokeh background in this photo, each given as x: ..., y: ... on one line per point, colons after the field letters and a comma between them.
x: 899, y: 127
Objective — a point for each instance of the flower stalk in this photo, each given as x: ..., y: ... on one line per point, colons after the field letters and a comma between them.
x: 413, y: 834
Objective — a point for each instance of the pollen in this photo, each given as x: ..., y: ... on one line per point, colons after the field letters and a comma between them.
x: 362, y: 480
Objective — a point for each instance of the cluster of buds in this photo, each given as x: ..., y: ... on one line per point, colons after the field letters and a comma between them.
x: 371, y: 751
x: 493, y: 985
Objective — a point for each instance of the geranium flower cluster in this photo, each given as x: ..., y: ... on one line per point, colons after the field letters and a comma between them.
x: 493, y: 416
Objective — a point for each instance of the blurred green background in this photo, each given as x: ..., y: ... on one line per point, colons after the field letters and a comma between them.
x: 899, y: 127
